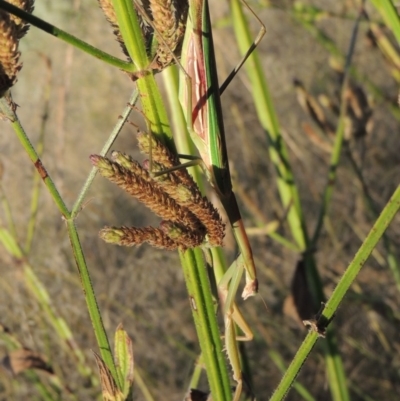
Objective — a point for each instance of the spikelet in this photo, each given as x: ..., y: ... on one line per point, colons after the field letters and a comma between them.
x: 21, y: 26
x: 162, y: 155
x: 9, y: 54
x: 129, y: 236
x: 169, y: 18
x: 12, y: 29
x: 109, y: 12
x: 186, y: 238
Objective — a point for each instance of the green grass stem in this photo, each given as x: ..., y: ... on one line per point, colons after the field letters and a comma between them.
x: 269, y: 121
x: 201, y: 301
x: 8, y: 111
x: 331, y: 307
x: 93, y: 308
x: 339, y: 139
x: 389, y: 15
x: 75, y: 243
x: 151, y: 100
x: 362, y: 255
x: 66, y: 37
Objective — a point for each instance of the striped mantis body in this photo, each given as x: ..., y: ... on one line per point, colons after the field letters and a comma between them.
x: 200, y: 99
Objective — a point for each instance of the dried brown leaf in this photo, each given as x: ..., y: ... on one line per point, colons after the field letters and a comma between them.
x: 302, y: 297
x: 22, y: 359
x: 197, y: 395
x: 109, y: 388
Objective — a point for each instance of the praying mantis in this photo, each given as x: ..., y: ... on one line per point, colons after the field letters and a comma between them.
x: 200, y: 99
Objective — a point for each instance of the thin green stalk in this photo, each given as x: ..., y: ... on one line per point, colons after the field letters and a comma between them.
x: 151, y: 100
x: 131, y: 33
x: 277, y: 148
x: 198, y: 368
x: 269, y: 121
x: 7, y: 212
x: 80, y: 260
x: 143, y: 386
x: 8, y: 111
x: 93, y: 308
x: 200, y: 298
x: 339, y: 138
x: 362, y: 255
x: 66, y: 37
x: 107, y: 146
x: 389, y: 14
x: 331, y: 307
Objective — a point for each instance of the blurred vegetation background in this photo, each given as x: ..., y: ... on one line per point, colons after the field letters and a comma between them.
x: 75, y: 100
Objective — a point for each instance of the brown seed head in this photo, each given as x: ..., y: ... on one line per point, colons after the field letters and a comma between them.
x: 21, y: 26
x: 9, y: 54
x: 200, y: 206
x: 162, y: 155
x: 145, y: 191
x: 178, y: 233
x: 133, y: 166
x: 181, y: 187
x: 111, y: 16
x: 129, y: 236
x: 169, y: 19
